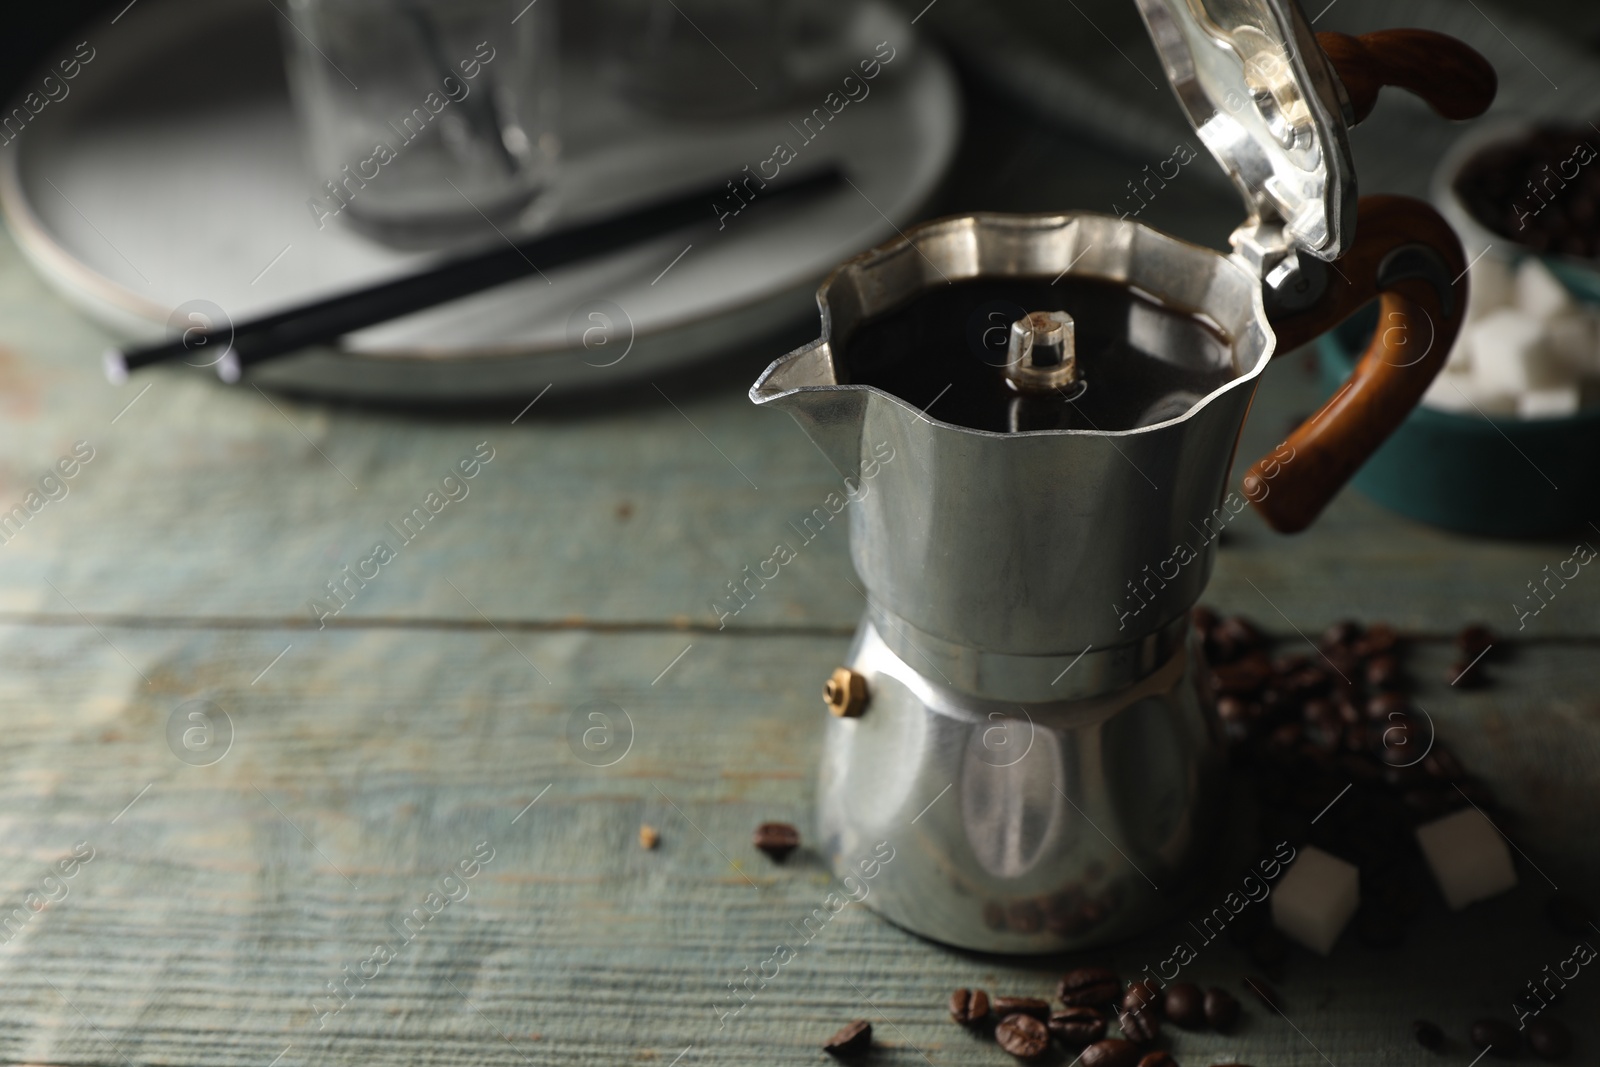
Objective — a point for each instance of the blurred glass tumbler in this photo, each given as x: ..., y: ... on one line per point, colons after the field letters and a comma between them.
x: 424, y: 119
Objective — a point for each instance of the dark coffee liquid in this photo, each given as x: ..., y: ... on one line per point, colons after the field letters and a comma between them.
x: 1139, y: 362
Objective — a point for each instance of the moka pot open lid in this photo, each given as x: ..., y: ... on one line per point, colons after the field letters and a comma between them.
x: 1264, y: 99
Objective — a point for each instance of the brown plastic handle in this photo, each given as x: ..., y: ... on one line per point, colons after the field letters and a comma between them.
x: 1406, y: 256
x: 1456, y: 81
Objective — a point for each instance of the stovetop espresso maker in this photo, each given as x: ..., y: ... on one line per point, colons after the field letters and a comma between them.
x: 1059, y: 398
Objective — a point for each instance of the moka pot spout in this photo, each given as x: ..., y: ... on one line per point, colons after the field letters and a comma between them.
x: 804, y: 384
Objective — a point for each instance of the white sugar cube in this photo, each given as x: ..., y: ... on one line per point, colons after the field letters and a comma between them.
x: 1316, y: 898
x: 1509, y: 354
x: 1468, y: 856
x: 1493, y: 403
x: 1450, y: 391
x: 1556, y: 403
x: 1489, y: 285
x: 1538, y: 292
x: 1573, y: 339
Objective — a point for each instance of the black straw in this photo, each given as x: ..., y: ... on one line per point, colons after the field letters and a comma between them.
x: 322, y: 321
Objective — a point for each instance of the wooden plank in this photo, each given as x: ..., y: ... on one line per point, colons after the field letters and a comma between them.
x: 364, y: 764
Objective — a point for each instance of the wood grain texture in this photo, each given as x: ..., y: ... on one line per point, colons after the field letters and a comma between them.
x: 366, y: 764
x: 1451, y: 76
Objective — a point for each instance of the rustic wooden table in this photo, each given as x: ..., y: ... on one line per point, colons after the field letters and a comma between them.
x: 337, y: 775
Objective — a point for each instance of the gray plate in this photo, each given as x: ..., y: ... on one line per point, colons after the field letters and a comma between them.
x: 171, y: 173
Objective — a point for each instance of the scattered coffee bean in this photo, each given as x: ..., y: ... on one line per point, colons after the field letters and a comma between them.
x: 1383, y: 706
x: 1549, y: 1038
x: 1222, y: 1009
x: 648, y: 837
x: 1140, y: 1027
x: 1500, y: 1037
x: 1429, y: 1036
x: 1241, y: 679
x: 1158, y: 1058
x: 1570, y: 915
x: 1078, y: 1026
x: 1039, y: 1009
x: 1141, y: 995
x: 852, y: 1040
x: 776, y: 839
x: 1112, y: 1052
x: 1185, y: 1005
x: 1023, y: 1036
x: 1474, y: 640
x: 1265, y: 993
x: 1241, y: 631
x: 1379, y: 640
x: 969, y: 1006
x: 1383, y: 672
x: 1089, y: 987
x: 1341, y: 634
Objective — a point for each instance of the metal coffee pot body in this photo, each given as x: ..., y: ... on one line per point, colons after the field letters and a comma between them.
x: 1033, y: 747
x: 1021, y: 724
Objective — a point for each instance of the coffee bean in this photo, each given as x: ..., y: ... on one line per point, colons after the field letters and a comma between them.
x: 1023, y: 1036
x: 1466, y: 674
x: 1232, y: 709
x: 1222, y: 1009
x: 1496, y: 1035
x: 1549, y: 1038
x: 1078, y: 1026
x: 1142, y: 994
x: 1429, y: 1036
x: 1341, y: 633
x: 1111, y: 1052
x: 1140, y: 1027
x: 1384, y: 705
x: 969, y: 1006
x: 1241, y: 631
x: 1039, y: 1009
x: 1289, y: 662
x: 1383, y: 672
x: 1241, y: 679
x: 1158, y: 1059
x: 852, y: 1040
x: 1265, y: 993
x: 1306, y: 682
x: 1474, y: 640
x: 1089, y: 987
x: 1569, y: 914
x: 1379, y: 640
x: 776, y: 839
x: 1185, y: 1005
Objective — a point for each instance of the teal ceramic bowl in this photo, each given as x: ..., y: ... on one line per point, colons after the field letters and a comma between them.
x: 1492, y: 477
